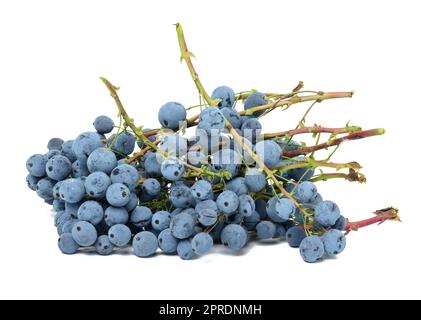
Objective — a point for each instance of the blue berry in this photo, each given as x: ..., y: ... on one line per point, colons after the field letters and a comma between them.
x: 227, y: 202
x: 285, y: 209
x: 161, y: 220
x: 185, y: 250
x: 52, y: 153
x: 234, y: 237
x: 261, y: 208
x: 226, y: 96
x: 67, y: 150
x: 340, y: 224
x: 66, y: 244
x: 196, y: 158
x: 305, y: 192
x: 233, y: 117
x: 118, y: 195
x: 67, y: 226
x: 32, y: 181
x: 153, y: 164
x: 208, y: 143
x: 255, y: 180
x: 58, y: 167
x: 172, y: 169
x: 174, y: 145
x: 265, y: 230
x: 124, y: 143
x: 202, y: 243
x: 58, y: 205
x: 141, y: 216
x: 334, y: 242
x: 255, y: 100
x: 167, y: 242
x: 133, y: 202
x: 227, y: 159
x: 171, y: 114
x: 60, y: 217
x: 206, y: 204
x: 326, y: 213
x: 96, y: 184
x: 145, y: 244
x: 202, y: 190
x: 44, y: 188
x: 280, y: 231
x: 80, y: 168
x: 182, y: 225
x: 91, y: 211
x: 246, y: 206
x: 246, y: 157
x: 103, y: 124
x: 238, y: 185
x: 311, y: 249
x: 251, y: 129
x: 72, y: 190
x: 125, y: 174
x: 151, y: 186
x: 55, y: 144
x: 72, y: 208
x: 113, y: 215
x: 103, y: 160
x: 295, y: 235
x: 84, y: 234
x: 85, y: 143
x: 119, y: 235
x: 103, y: 245
x: 251, y: 221
x: 271, y: 209
x: 207, y: 217
x: 269, y: 151
x: 211, y: 120
x: 56, y: 190
x: 181, y: 197
x: 36, y: 165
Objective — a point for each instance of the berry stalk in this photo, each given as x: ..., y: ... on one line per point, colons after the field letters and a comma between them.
x: 352, y: 136
x: 127, y: 120
x: 313, y: 129
x: 352, y: 176
x: 380, y: 217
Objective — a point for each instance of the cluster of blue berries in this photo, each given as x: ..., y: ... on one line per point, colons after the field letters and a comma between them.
x: 104, y: 200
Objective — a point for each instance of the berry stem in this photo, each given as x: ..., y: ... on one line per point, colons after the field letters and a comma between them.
x: 352, y: 136
x: 352, y: 176
x: 186, y: 56
x: 127, y: 120
x: 313, y: 129
x: 316, y: 163
x: 380, y: 217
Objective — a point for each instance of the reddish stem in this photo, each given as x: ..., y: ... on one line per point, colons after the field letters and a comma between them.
x: 380, y: 217
x: 352, y: 136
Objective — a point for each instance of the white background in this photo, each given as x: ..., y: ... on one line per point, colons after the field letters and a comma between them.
x: 52, y: 53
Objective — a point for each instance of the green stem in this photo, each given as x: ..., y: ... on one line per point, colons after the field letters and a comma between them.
x: 127, y: 120
x: 313, y: 129
x: 352, y: 176
x: 186, y: 56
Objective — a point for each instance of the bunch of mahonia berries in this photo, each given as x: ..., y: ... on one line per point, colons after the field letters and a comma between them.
x: 183, y: 195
